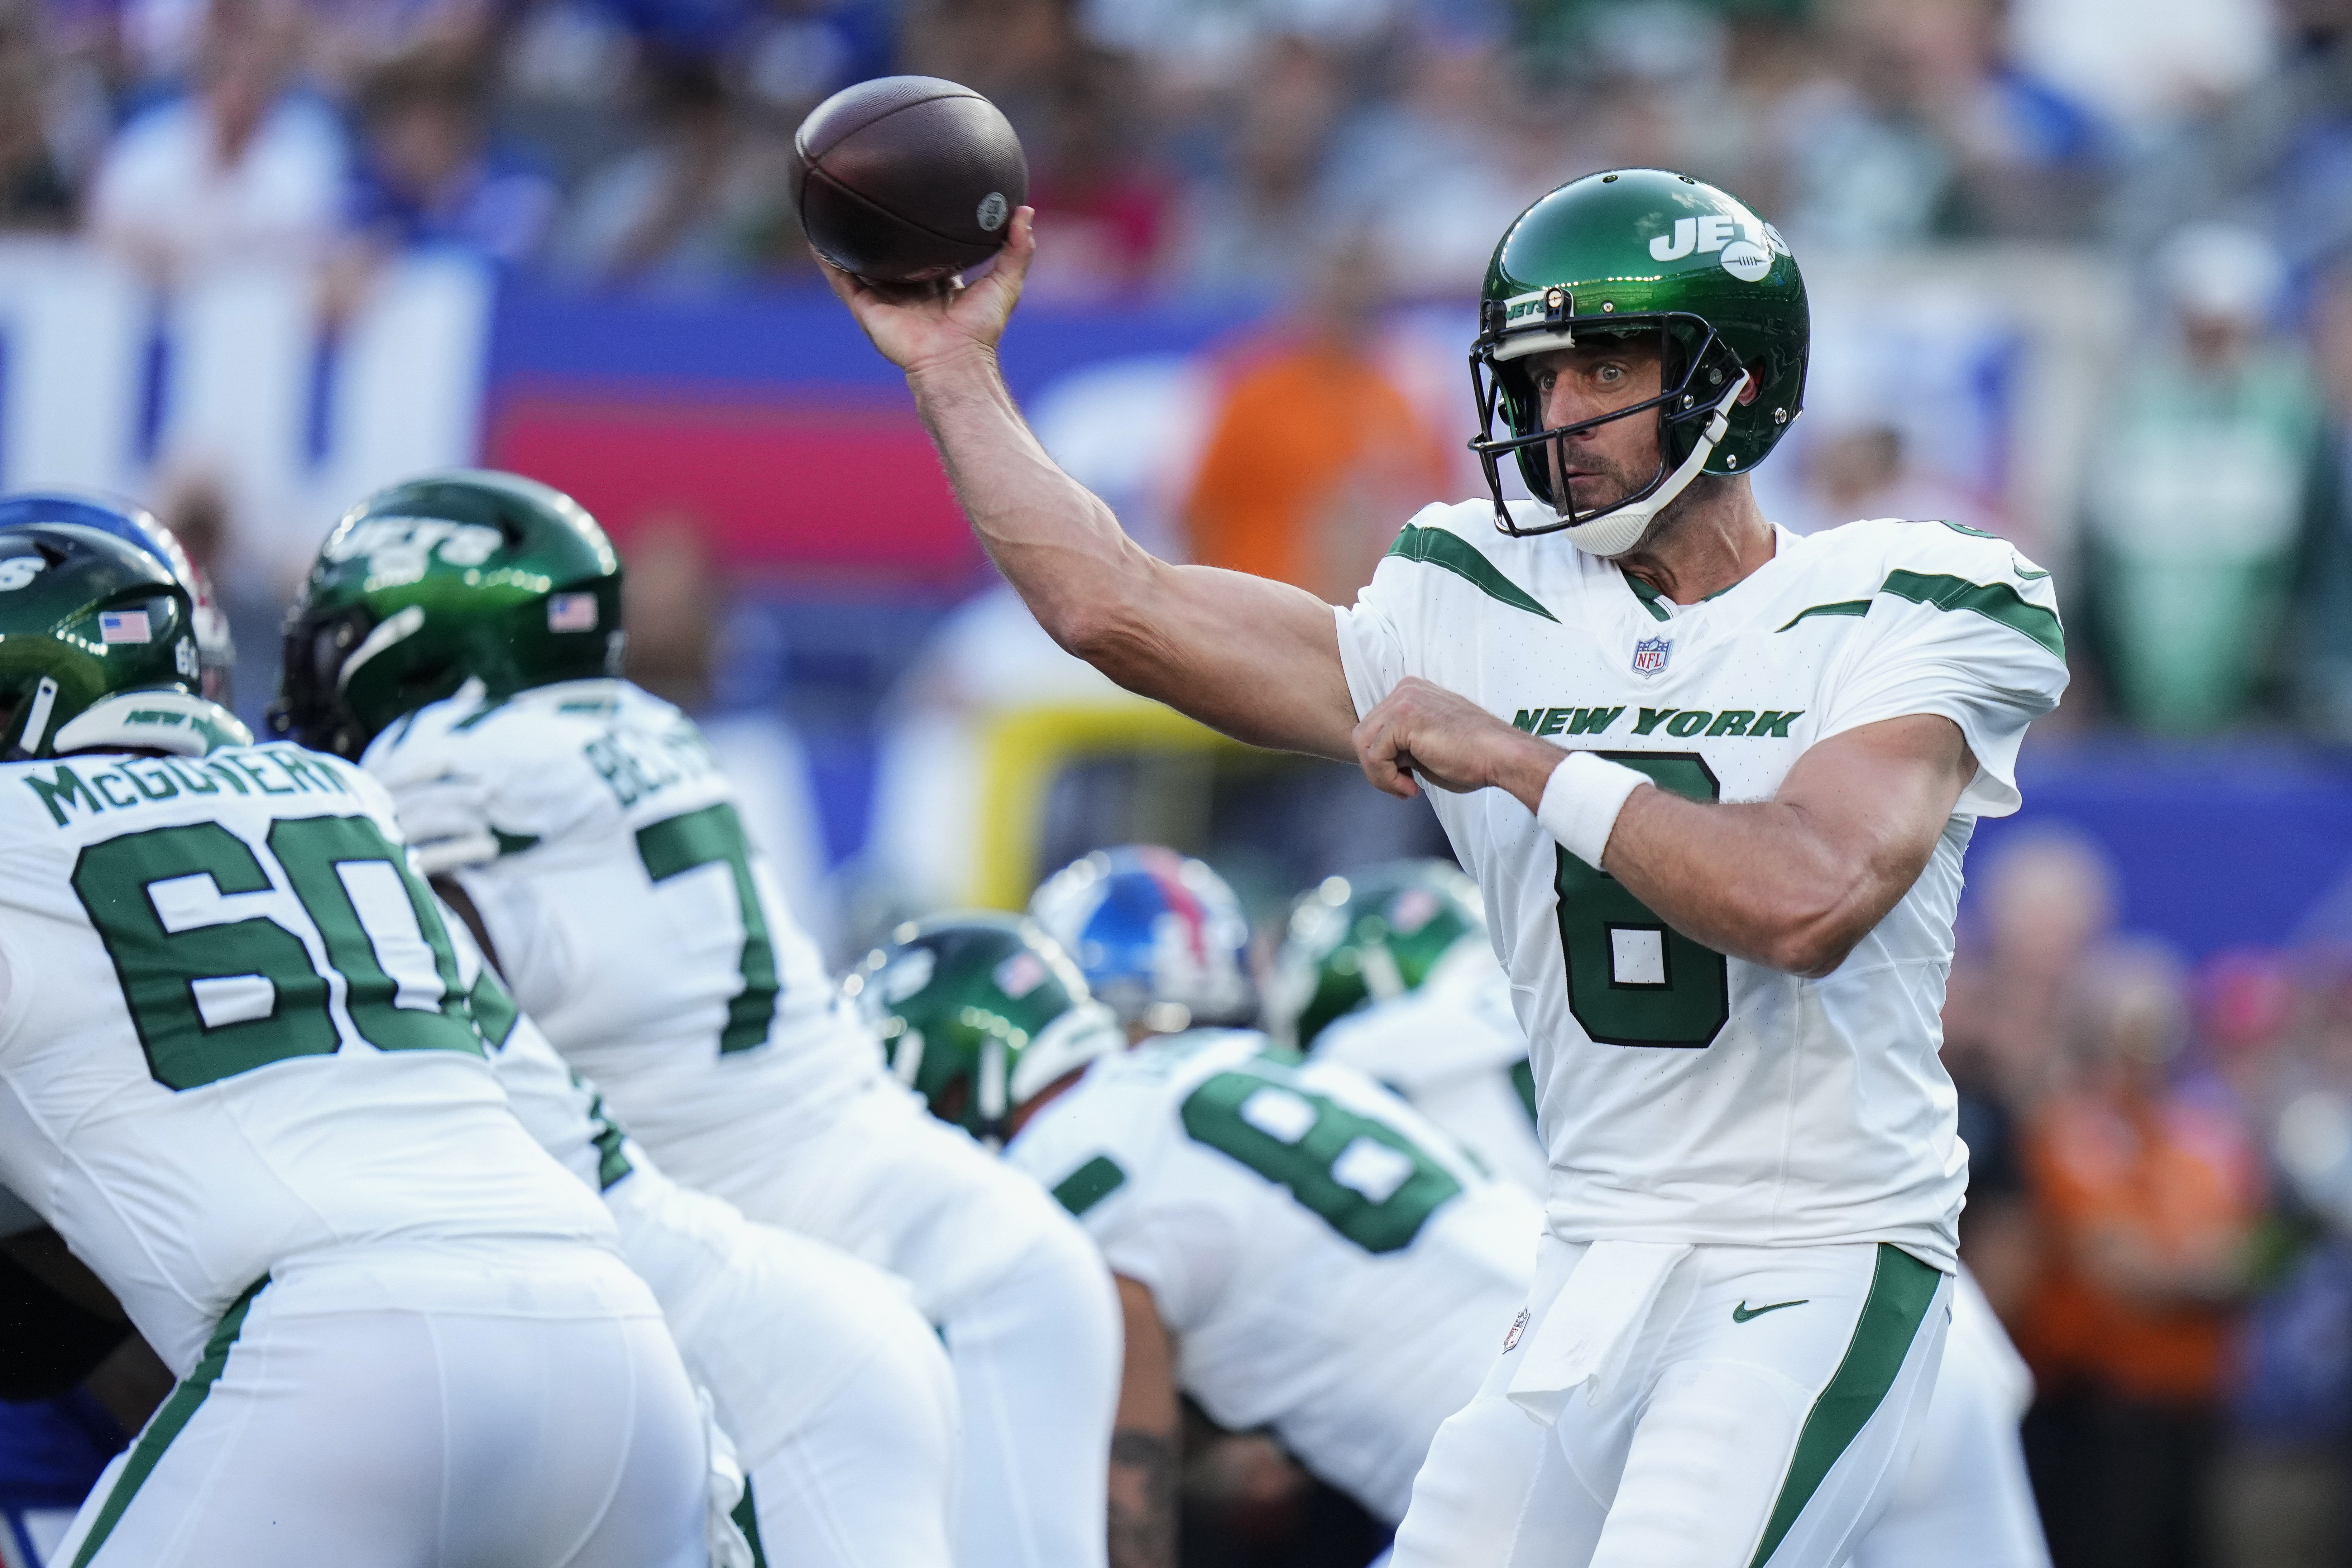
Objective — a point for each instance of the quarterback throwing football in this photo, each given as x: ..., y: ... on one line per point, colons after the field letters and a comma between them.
x: 1715, y: 782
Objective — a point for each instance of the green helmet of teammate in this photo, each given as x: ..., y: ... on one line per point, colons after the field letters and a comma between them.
x: 979, y: 1012
x: 466, y: 574
x: 98, y: 649
x: 1363, y: 938
x: 1629, y: 254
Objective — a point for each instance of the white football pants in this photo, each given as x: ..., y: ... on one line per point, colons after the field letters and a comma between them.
x: 1024, y: 1302
x: 1768, y: 1404
x: 835, y: 1391
x: 510, y: 1406
x: 1966, y: 1502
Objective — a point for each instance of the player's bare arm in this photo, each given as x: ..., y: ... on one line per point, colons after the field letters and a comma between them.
x: 1793, y: 882
x: 1145, y: 1440
x: 1257, y: 659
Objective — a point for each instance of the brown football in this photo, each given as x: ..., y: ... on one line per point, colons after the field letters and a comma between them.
x: 906, y: 179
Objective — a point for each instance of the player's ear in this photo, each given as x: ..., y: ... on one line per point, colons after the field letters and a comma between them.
x: 1755, y: 383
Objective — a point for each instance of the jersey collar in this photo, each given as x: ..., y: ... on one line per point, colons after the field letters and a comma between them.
x: 1661, y: 608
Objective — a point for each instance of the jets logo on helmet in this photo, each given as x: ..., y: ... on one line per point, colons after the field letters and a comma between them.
x: 399, y: 549
x: 1720, y: 232
x: 1160, y: 936
x: 1637, y: 254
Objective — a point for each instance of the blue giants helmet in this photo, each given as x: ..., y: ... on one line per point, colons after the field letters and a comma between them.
x: 1162, y: 937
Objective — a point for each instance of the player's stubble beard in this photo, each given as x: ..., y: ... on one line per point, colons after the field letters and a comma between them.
x: 1618, y: 484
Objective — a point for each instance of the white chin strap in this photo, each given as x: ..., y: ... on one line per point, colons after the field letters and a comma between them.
x: 1620, y: 530
x: 1077, y: 1038
x: 171, y: 722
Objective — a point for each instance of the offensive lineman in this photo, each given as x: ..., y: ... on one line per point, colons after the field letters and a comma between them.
x: 1726, y: 937
x: 1295, y: 1248
x: 839, y: 1403
x: 239, y: 1078
x: 463, y: 630
x: 838, y: 1398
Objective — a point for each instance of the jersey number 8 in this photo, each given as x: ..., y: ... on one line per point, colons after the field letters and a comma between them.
x: 1632, y: 980
x: 1360, y: 1176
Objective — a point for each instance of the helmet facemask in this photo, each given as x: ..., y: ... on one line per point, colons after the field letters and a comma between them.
x: 980, y: 1014
x: 324, y: 653
x: 1701, y: 381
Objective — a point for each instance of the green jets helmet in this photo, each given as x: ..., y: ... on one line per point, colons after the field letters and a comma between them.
x: 97, y: 648
x: 1362, y: 938
x: 1639, y: 253
x: 450, y: 576
x: 978, y: 1013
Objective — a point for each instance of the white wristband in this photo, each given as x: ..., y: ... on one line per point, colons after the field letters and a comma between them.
x: 1582, y: 800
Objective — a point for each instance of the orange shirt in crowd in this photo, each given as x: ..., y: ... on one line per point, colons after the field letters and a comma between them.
x: 1302, y: 419
x: 2174, y: 1181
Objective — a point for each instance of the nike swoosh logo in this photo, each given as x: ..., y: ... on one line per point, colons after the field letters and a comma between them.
x: 1742, y: 1312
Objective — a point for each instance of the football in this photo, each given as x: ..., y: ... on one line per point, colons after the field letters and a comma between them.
x: 906, y: 179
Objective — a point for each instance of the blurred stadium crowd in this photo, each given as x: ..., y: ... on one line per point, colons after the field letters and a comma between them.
x: 1324, y: 159
x: 2160, y: 1160
x: 2162, y: 1155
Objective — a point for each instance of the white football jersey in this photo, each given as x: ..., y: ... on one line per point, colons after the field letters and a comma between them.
x: 1684, y: 1096
x: 1328, y: 1265
x: 561, y: 1111
x: 232, y: 1034
x: 1453, y: 1049
x: 635, y: 922
x: 769, y: 1321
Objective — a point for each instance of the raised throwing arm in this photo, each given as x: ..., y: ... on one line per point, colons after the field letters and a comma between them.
x: 1255, y: 658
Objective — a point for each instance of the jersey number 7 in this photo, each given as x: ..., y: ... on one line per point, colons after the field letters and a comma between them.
x: 1632, y: 980
x: 714, y: 837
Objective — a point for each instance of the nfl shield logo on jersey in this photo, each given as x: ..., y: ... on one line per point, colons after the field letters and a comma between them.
x: 1650, y: 655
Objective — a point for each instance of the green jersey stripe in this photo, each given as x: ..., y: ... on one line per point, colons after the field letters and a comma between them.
x: 1649, y: 598
x: 1995, y: 602
x: 1435, y: 547
x: 1654, y: 601
x: 168, y: 1422
x: 1089, y: 1184
x: 1902, y: 1289
x: 1842, y: 607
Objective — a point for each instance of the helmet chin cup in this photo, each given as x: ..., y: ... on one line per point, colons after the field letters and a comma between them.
x: 1617, y: 529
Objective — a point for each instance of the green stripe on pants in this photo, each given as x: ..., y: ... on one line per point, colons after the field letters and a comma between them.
x: 1901, y: 1290
x: 747, y: 1519
x: 166, y: 1423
